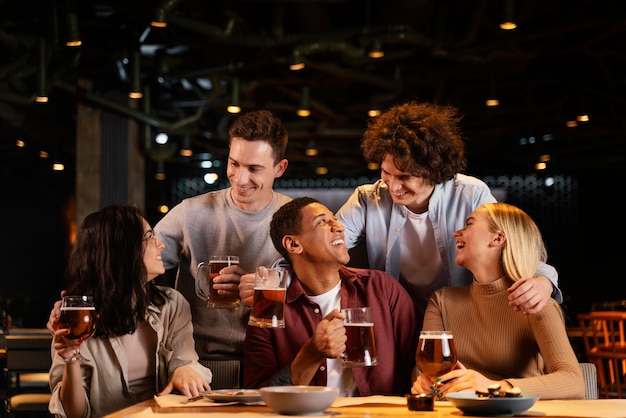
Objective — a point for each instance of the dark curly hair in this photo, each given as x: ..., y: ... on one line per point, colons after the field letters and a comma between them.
x: 287, y: 220
x: 424, y: 139
x: 261, y: 125
x: 107, y: 263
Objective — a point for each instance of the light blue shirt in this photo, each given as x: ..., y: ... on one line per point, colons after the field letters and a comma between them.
x: 370, y: 213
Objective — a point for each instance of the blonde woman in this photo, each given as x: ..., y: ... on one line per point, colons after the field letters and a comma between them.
x: 500, y: 244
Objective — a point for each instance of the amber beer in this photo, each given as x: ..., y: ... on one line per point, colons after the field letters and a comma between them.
x: 216, y: 264
x: 360, y: 343
x: 360, y: 346
x: 270, y: 290
x: 80, y: 321
x: 436, y: 354
x: 268, y: 308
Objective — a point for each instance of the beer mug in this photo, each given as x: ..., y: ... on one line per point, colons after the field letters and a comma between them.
x: 360, y: 345
x: 207, y: 271
x: 270, y: 290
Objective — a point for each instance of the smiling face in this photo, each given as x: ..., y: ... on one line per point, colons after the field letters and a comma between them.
x: 152, y: 247
x: 251, y: 172
x: 477, y: 245
x: 321, y: 240
x: 405, y: 188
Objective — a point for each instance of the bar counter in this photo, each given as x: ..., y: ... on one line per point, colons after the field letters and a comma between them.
x: 376, y: 406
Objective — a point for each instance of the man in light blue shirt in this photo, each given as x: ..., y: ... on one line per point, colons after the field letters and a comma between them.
x: 408, y: 216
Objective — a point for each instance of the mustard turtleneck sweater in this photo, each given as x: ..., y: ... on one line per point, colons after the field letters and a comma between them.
x: 531, y: 352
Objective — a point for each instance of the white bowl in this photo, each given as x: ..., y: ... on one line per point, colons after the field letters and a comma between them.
x: 298, y: 400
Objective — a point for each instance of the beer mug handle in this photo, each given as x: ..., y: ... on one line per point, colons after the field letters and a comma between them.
x: 202, y: 274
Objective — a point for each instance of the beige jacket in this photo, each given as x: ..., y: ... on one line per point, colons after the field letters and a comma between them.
x: 105, y: 377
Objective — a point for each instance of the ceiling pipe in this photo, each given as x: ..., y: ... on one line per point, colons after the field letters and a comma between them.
x: 111, y: 105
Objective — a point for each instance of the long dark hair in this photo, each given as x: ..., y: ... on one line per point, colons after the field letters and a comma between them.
x: 107, y: 263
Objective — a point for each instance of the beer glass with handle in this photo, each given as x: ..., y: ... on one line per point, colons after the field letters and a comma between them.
x: 78, y: 313
x: 207, y: 271
x: 436, y: 356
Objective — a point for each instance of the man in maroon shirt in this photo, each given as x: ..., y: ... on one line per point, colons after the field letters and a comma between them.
x: 308, y: 350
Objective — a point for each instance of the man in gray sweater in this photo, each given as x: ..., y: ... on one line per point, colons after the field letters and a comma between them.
x: 232, y: 221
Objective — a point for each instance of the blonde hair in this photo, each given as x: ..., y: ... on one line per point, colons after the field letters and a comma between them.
x: 523, y: 248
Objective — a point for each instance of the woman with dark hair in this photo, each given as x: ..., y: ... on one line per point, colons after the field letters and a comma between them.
x: 143, y: 344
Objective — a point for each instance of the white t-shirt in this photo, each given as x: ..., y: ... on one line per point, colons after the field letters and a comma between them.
x: 337, y: 375
x: 421, y: 269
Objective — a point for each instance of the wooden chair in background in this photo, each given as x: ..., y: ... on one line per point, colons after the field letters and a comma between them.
x: 605, y: 346
x: 28, y: 362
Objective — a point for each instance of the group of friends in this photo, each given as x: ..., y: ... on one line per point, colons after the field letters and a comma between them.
x: 443, y: 255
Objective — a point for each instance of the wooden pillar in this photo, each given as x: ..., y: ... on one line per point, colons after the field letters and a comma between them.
x: 109, y: 163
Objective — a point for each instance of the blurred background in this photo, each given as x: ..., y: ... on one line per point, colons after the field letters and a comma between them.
x: 542, y: 100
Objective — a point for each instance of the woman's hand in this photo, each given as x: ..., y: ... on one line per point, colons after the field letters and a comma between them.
x: 65, y: 347
x: 462, y: 379
x: 53, y: 319
x: 187, y: 381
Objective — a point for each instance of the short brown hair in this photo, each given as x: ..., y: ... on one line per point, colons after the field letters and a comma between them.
x: 261, y: 125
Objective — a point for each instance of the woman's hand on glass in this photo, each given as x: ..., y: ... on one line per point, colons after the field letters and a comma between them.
x: 67, y: 348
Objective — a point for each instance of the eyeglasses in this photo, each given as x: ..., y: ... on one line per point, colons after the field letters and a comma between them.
x: 151, y: 235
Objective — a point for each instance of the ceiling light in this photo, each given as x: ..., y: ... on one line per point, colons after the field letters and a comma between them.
x: 583, y: 117
x: 376, y: 50
x: 186, y: 150
x: 311, y: 150
x: 161, y: 138
x: 492, y: 102
x: 73, y: 34
x: 164, y: 7
x: 373, y: 112
x: 508, y: 22
x: 42, y: 95
x: 211, y: 178
x: 160, y: 173
x: 321, y: 170
x: 303, y: 110
x: 296, y: 62
x: 20, y: 143
x: 234, y: 107
x: 135, y: 80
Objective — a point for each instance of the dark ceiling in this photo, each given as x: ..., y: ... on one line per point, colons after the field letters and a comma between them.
x: 565, y: 57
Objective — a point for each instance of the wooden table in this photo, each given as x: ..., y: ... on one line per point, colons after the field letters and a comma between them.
x: 388, y: 406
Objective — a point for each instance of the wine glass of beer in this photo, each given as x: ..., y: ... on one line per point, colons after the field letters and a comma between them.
x: 78, y: 313
x: 436, y: 355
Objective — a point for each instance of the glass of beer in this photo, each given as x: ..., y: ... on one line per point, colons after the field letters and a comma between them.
x: 207, y: 271
x: 78, y: 313
x: 361, y: 344
x: 270, y: 290
x: 436, y: 355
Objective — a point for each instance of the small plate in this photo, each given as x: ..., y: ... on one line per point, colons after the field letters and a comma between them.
x: 234, y: 395
x: 472, y: 404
